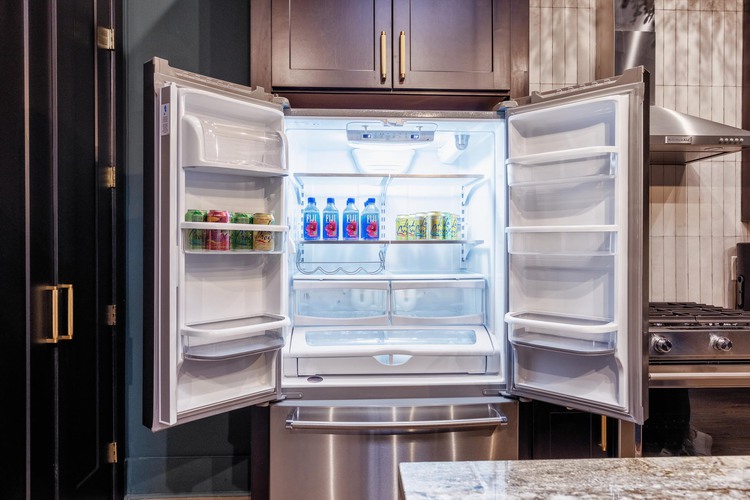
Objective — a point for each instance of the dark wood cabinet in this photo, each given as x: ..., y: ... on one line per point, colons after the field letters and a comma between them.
x: 558, y: 432
x: 395, y: 46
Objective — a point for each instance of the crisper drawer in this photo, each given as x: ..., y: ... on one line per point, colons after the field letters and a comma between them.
x: 317, y: 302
x: 390, y: 351
x: 435, y: 302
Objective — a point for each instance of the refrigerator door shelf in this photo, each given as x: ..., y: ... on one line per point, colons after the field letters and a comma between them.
x: 586, y: 336
x: 217, y: 136
x: 583, y: 241
x: 563, y: 166
x: 235, y: 328
x: 320, y: 351
x: 278, y: 234
x: 228, y: 349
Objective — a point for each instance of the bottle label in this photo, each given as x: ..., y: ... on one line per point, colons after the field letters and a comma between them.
x: 351, y: 226
x: 371, y: 226
x: 330, y: 226
x: 311, y: 226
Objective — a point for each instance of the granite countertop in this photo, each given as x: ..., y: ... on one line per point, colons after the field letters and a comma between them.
x: 612, y: 478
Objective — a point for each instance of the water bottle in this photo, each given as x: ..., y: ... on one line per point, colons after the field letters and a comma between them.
x: 330, y: 220
x: 350, y: 221
x: 370, y: 221
x: 311, y: 220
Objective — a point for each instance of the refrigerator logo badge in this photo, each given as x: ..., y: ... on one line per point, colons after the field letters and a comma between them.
x: 164, y: 119
x: 678, y: 139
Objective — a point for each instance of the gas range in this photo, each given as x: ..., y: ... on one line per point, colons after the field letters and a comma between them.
x: 692, y: 332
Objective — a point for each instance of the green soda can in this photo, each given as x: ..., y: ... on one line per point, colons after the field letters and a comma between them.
x: 450, y: 226
x: 241, y: 239
x: 402, y: 227
x: 196, y: 238
x: 434, y: 226
x: 416, y: 226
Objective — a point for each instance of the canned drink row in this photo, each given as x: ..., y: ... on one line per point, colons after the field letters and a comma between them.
x: 427, y: 226
x: 228, y: 239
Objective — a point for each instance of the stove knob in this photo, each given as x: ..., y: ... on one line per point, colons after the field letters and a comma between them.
x: 661, y: 344
x: 721, y: 343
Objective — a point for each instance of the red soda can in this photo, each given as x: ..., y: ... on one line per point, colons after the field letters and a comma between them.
x: 218, y: 239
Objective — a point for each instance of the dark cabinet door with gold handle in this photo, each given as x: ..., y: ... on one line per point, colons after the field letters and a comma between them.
x: 390, y: 45
x: 62, y: 356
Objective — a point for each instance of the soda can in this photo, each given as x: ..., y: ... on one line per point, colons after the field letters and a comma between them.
x: 263, y: 240
x: 241, y: 239
x: 450, y: 226
x: 196, y: 238
x: 402, y: 227
x: 434, y: 225
x: 218, y: 239
x: 416, y: 226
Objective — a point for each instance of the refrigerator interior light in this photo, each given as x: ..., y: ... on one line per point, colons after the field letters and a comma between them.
x: 383, y: 161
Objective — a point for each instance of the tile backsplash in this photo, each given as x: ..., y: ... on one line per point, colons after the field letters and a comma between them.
x: 694, y: 209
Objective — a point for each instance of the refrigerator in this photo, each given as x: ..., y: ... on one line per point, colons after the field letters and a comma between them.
x: 504, y: 260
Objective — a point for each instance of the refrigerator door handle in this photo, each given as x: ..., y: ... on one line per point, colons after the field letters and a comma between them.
x: 492, y: 418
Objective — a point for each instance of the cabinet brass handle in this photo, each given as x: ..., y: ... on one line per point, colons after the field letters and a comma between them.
x: 603, y: 444
x: 402, y: 56
x: 383, y: 69
x: 52, y: 339
x: 69, y: 332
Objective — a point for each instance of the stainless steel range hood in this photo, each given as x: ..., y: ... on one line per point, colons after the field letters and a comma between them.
x: 678, y: 138
x: 625, y: 30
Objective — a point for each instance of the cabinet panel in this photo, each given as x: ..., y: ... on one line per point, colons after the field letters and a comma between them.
x: 451, y: 44
x: 331, y: 43
x: 448, y: 46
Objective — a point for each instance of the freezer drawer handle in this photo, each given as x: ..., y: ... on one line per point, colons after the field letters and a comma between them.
x: 497, y: 419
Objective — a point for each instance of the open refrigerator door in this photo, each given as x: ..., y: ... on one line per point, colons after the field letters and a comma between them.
x: 577, y: 206
x: 216, y: 307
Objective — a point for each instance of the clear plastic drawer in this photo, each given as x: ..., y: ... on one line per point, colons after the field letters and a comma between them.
x: 318, y: 302
x: 438, y: 302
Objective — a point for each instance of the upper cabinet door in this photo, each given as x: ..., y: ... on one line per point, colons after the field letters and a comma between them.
x: 457, y: 46
x: 331, y: 43
x: 451, y: 44
x: 577, y: 247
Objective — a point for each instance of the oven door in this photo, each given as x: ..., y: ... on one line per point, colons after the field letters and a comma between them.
x: 697, y: 409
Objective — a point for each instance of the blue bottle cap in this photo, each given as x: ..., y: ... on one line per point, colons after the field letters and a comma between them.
x: 330, y: 200
x: 311, y: 199
x: 349, y: 200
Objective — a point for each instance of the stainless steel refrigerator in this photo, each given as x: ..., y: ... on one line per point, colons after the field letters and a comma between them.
x: 504, y: 259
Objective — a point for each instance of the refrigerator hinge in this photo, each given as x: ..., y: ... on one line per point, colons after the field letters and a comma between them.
x: 105, y: 38
x: 112, y: 453
x: 109, y: 177
x: 111, y: 315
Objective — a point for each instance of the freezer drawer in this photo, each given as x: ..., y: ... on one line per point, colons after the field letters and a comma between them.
x: 351, y: 449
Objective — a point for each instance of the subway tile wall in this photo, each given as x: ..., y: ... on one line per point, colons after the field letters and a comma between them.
x: 694, y: 209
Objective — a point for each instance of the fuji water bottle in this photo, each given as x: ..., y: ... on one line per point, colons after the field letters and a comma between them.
x: 330, y: 220
x: 370, y: 221
x: 311, y: 220
x: 350, y: 221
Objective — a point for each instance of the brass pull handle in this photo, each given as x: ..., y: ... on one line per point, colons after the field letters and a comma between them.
x: 69, y: 332
x: 383, y: 61
x: 52, y: 339
x: 603, y: 444
x: 402, y: 56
